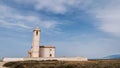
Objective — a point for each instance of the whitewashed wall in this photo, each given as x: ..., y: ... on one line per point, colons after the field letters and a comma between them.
x: 45, y: 52
x: 59, y: 59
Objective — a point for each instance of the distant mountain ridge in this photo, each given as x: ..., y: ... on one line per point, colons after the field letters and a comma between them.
x: 117, y: 56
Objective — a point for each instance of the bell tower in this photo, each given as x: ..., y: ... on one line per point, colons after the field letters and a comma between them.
x: 36, y: 43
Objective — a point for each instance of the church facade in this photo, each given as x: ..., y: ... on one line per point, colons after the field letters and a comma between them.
x: 40, y: 51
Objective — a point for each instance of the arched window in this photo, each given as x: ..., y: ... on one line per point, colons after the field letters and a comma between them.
x: 37, y: 33
x: 50, y: 55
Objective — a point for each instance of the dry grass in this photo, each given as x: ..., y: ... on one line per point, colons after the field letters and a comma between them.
x: 63, y: 64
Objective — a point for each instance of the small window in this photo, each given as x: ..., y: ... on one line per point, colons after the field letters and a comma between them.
x: 37, y: 33
x: 50, y: 49
x: 50, y: 55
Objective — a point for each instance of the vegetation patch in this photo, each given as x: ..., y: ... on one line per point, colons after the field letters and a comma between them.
x: 63, y: 64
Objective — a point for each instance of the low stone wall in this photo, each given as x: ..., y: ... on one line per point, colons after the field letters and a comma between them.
x: 12, y: 59
x: 59, y: 59
x: 73, y: 59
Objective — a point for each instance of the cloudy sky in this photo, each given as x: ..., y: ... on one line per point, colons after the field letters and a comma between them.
x: 88, y: 28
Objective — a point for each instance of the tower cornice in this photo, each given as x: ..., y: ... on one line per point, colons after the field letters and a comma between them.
x: 37, y: 29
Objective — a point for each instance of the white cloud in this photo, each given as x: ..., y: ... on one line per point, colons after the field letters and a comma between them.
x: 107, y: 14
x: 11, y: 25
x: 108, y: 17
x: 11, y: 18
x: 50, y: 24
x: 55, y: 6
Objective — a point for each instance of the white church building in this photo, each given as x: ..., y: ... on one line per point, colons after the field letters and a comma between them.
x: 39, y: 52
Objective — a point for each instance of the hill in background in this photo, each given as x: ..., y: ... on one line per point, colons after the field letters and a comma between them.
x: 117, y: 56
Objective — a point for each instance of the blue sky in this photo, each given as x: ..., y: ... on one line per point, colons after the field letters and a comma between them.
x: 88, y: 28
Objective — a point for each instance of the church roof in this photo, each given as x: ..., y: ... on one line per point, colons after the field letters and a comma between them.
x: 47, y: 46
